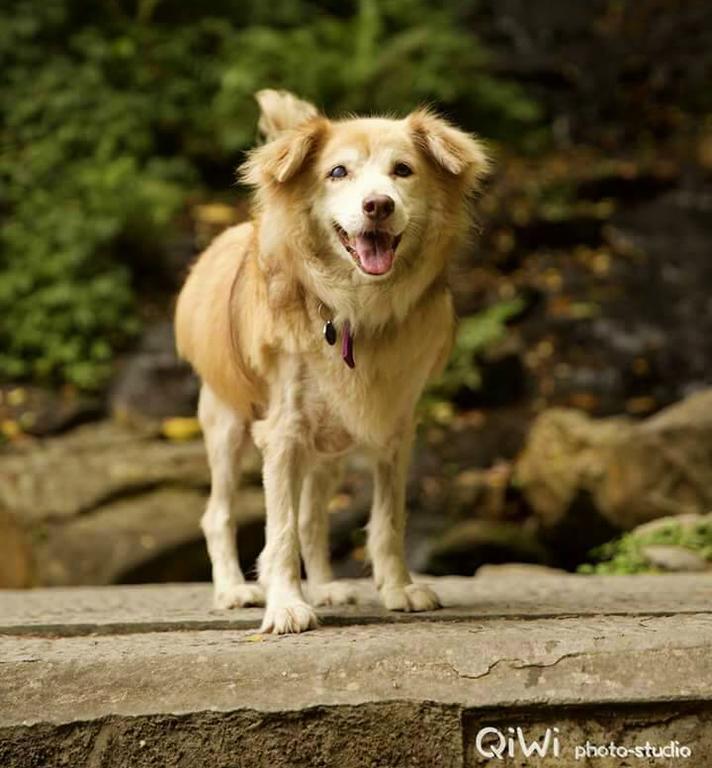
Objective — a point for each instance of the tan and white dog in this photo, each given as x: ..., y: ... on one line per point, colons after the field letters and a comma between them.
x: 315, y: 328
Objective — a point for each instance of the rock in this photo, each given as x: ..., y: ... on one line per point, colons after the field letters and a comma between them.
x: 675, y: 558
x: 566, y: 452
x: 628, y: 472
x: 140, y: 538
x: 686, y: 522
x: 663, y: 467
x: 482, y: 491
x: 153, y: 384
x: 72, y: 475
x: 151, y: 676
x: 16, y: 567
x: 520, y: 571
x: 104, y: 503
x: 467, y: 545
x: 40, y: 411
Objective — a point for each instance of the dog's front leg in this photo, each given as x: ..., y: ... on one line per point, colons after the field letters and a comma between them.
x: 386, y: 533
x: 284, y: 460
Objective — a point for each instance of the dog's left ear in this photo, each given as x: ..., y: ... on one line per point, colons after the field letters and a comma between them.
x: 280, y: 160
x: 453, y: 150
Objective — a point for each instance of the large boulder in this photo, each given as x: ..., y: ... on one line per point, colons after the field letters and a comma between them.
x: 106, y: 504
x: 628, y: 472
x: 664, y: 467
x: 566, y: 453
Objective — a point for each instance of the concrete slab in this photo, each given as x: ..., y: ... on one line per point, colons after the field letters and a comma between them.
x: 146, y: 676
x: 522, y: 591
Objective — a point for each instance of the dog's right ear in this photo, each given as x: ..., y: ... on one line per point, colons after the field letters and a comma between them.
x: 280, y: 111
x: 283, y: 158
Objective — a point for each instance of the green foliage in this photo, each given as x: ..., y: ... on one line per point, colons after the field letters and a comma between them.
x: 475, y: 334
x: 115, y: 113
x: 625, y: 554
x: 387, y: 58
x: 80, y: 169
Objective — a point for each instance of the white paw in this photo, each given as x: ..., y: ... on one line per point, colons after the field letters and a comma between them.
x: 239, y: 596
x: 289, y: 618
x: 333, y: 593
x: 412, y: 597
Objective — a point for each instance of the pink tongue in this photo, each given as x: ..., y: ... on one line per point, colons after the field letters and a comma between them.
x: 375, y: 252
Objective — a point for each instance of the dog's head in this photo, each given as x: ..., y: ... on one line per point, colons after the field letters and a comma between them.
x: 379, y: 192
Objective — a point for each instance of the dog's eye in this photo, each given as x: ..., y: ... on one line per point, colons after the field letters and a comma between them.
x: 338, y: 172
x: 402, y: 170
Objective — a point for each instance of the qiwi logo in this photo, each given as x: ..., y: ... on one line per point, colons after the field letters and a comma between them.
x: 492, y: 742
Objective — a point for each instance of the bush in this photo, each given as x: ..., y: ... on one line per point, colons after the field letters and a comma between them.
x: 115, y: 113
x: 626, y: 553
x: 388, y: 57
x: 475, y: 334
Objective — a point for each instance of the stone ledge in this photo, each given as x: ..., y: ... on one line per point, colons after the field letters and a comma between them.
x: 524, y: 592
x: 142, y: 675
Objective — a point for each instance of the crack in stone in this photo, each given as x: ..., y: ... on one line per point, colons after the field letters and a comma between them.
x: 521, y: 665
x: 545, y: 665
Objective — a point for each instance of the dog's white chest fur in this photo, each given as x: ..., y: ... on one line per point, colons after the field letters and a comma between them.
x: 369, y: 405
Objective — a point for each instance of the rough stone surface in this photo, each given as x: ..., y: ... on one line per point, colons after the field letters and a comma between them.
x: 74, y: 474
x: 497, y: 592
x: 665, y: 467
x: 674, y: 558
x: 105, y: 501
x: 145, y: 676
x: 566, y: 452
x: 631, y: 473
x: 122, y: 536
x: 688, y: 522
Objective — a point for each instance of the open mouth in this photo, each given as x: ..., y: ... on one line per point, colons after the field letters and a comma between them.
x: 373, y: 250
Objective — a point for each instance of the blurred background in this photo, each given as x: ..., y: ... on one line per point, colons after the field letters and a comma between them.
x: 573, y: 428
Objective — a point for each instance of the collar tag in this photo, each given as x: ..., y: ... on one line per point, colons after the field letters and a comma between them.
x: 329, y: 333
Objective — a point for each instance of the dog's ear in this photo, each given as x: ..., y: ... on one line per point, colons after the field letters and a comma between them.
x: 281, y: 159
x: 280, y: 111
x: 453, y: 150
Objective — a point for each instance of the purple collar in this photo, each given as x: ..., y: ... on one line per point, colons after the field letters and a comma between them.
x: 347, y: 341
x: 347, y: 346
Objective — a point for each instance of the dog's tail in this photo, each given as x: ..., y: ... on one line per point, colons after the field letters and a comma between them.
x: 280, y: 111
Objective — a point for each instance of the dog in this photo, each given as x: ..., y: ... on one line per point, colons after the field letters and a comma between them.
x: 315, y: 327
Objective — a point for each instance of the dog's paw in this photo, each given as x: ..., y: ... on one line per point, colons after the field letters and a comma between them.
x: 290, y: 618
x: 333, y: 593
x: 411, y: 597
x: 239, y: 596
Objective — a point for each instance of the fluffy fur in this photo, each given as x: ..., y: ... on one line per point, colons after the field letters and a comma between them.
x: 250, y: 316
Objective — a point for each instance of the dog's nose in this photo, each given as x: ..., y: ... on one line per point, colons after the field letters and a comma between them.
x: 378, y: 207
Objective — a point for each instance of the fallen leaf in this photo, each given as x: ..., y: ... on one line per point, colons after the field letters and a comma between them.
x: 180, y: 428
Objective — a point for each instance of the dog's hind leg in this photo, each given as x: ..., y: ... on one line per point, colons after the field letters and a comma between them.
x: 320, y: 484
x: 386, y: 534
x: 226, y: 436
